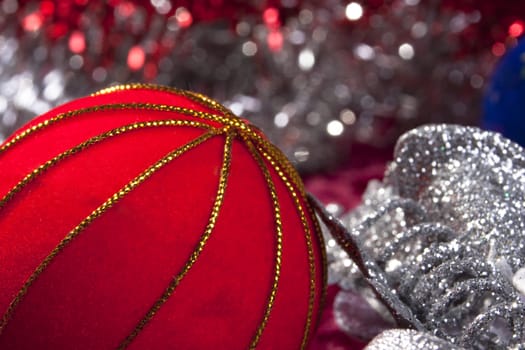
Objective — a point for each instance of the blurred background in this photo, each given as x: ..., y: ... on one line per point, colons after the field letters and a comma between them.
x: 317, y: 76
x: 333, y: 83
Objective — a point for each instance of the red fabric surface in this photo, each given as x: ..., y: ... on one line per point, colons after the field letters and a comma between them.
x: 35, y: 221
x: 99, y: 286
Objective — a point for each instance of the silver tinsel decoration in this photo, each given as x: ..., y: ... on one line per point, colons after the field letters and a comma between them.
x: 315, y: 76
x: 441, y: 239
x: 406, y: 339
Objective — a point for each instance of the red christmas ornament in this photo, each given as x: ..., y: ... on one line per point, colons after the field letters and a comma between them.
x: 145, y: 217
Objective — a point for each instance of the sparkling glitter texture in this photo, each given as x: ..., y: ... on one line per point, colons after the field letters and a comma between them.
x: 315, y: 76
x: 441, y: 238
x: 405, y: 339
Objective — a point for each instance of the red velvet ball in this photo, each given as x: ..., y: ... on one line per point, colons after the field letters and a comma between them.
x: 145, y: 217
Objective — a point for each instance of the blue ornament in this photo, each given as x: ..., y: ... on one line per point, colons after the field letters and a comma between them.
x: 504, y: 103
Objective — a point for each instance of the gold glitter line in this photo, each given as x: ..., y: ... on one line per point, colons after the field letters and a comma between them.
x: 195, y: 96
x: 324, y: 261
x: 219, y: 199
x: 275, y: 155
x: 281, y: 160
x: 288, y: 173
x: 279, y: 244
x: 309, y: 245
x: 234, y: 122
x: 110, y: 202
x: 92, y: 141
x: 247, y: 129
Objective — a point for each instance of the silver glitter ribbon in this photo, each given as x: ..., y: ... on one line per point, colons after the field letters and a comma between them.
x: 440, y: 240
x: 407, y: 339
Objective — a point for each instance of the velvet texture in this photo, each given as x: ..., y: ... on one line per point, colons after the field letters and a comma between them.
x: 68, y: 283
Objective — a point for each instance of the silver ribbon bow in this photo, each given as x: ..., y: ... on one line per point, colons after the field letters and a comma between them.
x: 441, y: 241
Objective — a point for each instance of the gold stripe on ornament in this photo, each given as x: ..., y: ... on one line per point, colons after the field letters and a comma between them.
x: 279, y: 244
x: 195, y: 96
x: 273, y: 154
x: 309, y: 245
x: 324, y: 262
x: 277, y: 156
x: 219, y: 199
x: 232, y: 121
x: 95, y: 140
x: 247, y: 129
x: 280, y: 159
x: 110, y: 202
